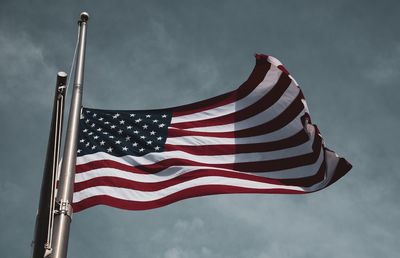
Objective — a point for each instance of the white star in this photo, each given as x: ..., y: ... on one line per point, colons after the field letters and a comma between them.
x: 106, y: 122
x: 122, y: 122
x: 102, y: 142
x: 155, y: 121
x: 124, y: 148
x: 141, y: 149
x: 148, y: 116
x: 136, y: 132
x: 116, y: 115
x: 111, y: 137
x: 101, y: 119
x: 79, y: 151
x: 99, y: 129
x: 157, y: 148
x: 134, y: 144
x: 145, y: 126
x: 127, y: 138
x: 90, y: 133
x: 87, y: 121
x: 138, y: 120
x: 88, y: 111
x: 93, y: 125
x: 94, y: 115
x: 149, y: 142
x: 142, y: 137
x: 82, y: 140
x: 161, y: 125
x: 105, y: 132
x: 159, y: 138
x: 132, y: 115
x: 129, y: 127
x: 118, y: 142
x: 152, y: 133
x: 87, y: 144
x: 93, y: 147
x: 96, y: 137
x: 85, y: 130
x: 109, y: 149
x: 164, y: 116
x: 113, y: 126
x: 120, y: 131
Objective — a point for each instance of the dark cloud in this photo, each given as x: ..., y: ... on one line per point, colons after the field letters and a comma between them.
x: 344, y: 54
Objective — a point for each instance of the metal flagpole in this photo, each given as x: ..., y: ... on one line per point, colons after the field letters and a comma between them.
x: 44, y: 218
x: 63, y: 211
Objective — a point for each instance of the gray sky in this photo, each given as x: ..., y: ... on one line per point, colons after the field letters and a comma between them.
x: 154, y: 54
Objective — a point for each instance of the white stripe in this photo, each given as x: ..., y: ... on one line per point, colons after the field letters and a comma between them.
x: 175, y: 171
x: 141, y: 196
x: 297, y: 172
x: 332, y: 161
x: 266, y: 85
x: 155, y: 157
x: 267, y: 115
x: 275, y: 62
x: 282, y: 133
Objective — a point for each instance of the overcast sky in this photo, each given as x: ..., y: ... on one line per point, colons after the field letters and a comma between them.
x: 154, y: 54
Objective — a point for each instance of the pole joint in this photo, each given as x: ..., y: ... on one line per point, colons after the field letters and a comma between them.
x: 61, y: 89
x: 63, y: 207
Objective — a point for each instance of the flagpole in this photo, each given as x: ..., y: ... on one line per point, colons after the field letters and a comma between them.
x: 63, y: 212
x: 44, y: 218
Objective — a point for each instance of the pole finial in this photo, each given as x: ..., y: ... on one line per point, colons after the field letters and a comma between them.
x: 84, y: 17
x: 62, y: 80
x: 62, y: 74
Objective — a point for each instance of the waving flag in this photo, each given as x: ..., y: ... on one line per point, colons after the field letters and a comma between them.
x: 258, y: 138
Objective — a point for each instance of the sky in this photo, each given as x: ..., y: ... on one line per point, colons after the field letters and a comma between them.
x: 154, y: 54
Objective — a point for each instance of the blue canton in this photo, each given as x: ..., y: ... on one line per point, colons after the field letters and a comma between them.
x: 121, y: 133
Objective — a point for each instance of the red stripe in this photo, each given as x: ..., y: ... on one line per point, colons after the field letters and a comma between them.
x: 262, y: 104
x: 261, y: 56
x: 225, y: 149
x: 256, y: 77
x: 283, y: 69
x: 104, y: 163
x: 155, y: 186
x: 276, y: 123
x: 254, y: 167
x: 195, y: 174
x: 181, y: 195
x: 341, y: 169
x: 309, y: 180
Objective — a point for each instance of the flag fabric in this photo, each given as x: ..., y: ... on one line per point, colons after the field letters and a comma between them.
x: 258, y: 138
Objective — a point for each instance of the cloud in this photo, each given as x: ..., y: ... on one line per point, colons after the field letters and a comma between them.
x: 384, y: 67
x: 180, y: 232
x: 26, y: 73
x: 152, y: 55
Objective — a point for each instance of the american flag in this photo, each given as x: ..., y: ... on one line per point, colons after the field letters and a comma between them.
x: 258, y: 138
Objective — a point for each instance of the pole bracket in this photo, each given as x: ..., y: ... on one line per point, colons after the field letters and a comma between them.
x: 48, y: 250
x: 63, y: 207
